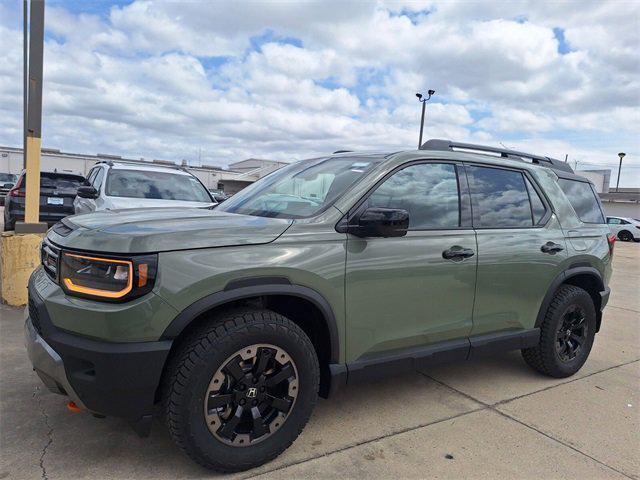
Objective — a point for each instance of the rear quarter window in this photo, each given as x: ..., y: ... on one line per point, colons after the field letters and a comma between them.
x: 583, y: 199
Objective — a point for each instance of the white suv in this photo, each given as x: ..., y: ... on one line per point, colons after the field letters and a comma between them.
x: 626, y: 229
x: 119, y: 185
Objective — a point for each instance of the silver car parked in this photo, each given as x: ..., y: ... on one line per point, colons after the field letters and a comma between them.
x: 114, y: 186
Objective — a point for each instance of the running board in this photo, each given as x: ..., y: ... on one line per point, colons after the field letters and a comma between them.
x: 415, y: 358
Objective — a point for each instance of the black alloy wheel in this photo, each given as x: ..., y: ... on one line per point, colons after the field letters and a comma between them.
x: 572, y: 333
x: 625, y: 236
x: 249, y: 397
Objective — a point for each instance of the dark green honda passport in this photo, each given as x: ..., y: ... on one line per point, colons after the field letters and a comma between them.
x: 229, y: 323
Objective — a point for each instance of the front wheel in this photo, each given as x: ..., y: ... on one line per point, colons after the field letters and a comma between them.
x: 566, y: 334
x: 241, y: 389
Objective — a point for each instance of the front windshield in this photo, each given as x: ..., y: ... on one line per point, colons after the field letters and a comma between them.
x: 301, y: 189
x: 156, y: 185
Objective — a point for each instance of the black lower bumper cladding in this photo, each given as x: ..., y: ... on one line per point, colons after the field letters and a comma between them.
x: 112, y: 379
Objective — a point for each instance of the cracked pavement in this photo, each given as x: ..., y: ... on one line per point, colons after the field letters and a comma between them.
x: 490, y: 418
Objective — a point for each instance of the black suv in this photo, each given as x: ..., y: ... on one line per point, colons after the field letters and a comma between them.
x: 57, y: 191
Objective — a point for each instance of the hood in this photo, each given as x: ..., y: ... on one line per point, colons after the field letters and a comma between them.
x: 145, y: 230
x: 116, y: 203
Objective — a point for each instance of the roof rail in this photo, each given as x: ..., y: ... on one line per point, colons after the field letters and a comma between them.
x: 437, y: 144
x: 342, y: 151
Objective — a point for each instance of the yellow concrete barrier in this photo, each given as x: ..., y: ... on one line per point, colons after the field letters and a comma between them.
x: 19, y: 256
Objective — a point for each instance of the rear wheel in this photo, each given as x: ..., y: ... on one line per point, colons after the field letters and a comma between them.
x: 566, y: 334
x: 241, y: 389
x: 625, y: 236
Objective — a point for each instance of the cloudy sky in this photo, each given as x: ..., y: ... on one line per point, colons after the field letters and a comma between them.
x: 216, y: 82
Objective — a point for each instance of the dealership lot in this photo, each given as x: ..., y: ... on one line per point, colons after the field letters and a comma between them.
x: 491, y: 418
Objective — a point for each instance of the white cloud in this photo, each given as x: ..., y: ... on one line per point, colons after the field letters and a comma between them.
x: 289, y: 80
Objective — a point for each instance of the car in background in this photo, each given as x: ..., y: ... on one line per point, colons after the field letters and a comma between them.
x: 218, y: 195
x: 115, y: 186
x: 7, y: 182
x: 57, y: 192
x: 624, y: 228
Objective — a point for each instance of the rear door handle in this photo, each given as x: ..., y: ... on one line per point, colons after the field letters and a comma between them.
x: 457, y: 253
x: 551, y: 248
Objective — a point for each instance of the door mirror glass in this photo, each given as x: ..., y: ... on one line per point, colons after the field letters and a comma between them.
x: 380, y: 222
x: 87, y: 192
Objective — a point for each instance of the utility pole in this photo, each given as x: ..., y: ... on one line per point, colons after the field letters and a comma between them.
x: 33, y: 142
x: 25, y: 77
x: 423, y: 101
x: 621, y: 155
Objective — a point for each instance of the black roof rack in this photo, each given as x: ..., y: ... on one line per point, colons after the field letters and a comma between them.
x: 342, y: 151
x: 437, y: 144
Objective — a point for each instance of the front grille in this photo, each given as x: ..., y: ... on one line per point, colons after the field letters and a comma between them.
x: 50, y: 256
x: 35, y: 317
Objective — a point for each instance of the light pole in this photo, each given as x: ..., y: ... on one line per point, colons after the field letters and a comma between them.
x: 621, y: 155
x: 423, y: 101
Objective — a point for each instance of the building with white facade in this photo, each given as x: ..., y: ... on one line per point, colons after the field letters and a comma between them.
x: 230, y: 180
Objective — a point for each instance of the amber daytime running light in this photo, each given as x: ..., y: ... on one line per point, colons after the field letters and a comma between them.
x: 110, y: 279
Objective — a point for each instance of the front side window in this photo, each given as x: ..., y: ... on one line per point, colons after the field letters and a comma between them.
x: 302, y: 189
x: 583, y: 200
x: 614, y: 221
x: 155, y: 185
x: 499, y: 198
x: 428, y: 191
x: 97, y: 181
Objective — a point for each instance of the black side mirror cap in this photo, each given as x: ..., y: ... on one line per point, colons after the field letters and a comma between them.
x: 380, y: 222
x: 87, y: 192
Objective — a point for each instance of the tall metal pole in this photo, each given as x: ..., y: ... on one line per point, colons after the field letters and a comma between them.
x: 25, y: 78
x: 424, y: 104
x: 621, y: 155
x: 31, y: 222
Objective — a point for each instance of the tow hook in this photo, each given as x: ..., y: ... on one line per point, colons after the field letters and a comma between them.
x: 73, y: 407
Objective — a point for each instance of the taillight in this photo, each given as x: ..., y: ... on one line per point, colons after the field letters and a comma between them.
x: 15, y: 191
x: 611, y: 240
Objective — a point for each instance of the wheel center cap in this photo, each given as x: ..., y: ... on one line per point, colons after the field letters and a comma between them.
x: 252, y: 392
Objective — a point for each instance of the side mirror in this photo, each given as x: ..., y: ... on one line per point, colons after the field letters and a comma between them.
x: 87, y: 192
x: 380, y: 222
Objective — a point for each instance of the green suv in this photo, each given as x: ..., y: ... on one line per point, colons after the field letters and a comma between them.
x: 230, y: 323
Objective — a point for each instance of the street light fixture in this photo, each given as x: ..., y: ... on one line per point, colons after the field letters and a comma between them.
x: 621, y: 155
x: 423, y: 101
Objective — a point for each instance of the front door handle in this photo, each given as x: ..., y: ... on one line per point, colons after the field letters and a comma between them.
x: 457, y: 253
x: 551, y: 248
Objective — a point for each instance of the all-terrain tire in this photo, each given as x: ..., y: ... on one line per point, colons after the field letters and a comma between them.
x: 545, y: 357
x: 203, y: 352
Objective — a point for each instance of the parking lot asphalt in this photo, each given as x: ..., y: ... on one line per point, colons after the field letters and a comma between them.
x: 490, y: 418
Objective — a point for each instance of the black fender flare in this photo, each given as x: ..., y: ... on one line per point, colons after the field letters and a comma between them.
x: 562, y: 277
x: 256, y: 287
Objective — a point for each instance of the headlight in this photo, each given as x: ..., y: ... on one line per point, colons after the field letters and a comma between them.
x: 107, y: 278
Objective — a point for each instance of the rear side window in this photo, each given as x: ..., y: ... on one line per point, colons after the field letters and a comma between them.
x: 500, y: 198
x: 537, y: 207
x: 583, y: 199
x: 97, y: 182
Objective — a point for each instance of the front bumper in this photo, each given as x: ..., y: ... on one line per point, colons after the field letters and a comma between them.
x: 106, y: 378
x: 48, y: 364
